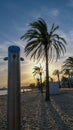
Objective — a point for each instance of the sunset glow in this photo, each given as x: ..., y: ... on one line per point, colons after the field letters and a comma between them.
x: 15, y: 18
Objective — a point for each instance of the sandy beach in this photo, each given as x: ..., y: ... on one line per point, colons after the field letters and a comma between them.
x: 36, y: 114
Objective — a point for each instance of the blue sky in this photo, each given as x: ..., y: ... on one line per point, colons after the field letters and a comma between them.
x: 15, y: 15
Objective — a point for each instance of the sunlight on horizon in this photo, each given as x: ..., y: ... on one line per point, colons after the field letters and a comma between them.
x: 31, y: 78
x: 26, y: 72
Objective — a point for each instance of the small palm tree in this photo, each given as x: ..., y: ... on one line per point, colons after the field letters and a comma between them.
x: 67, y: 68
x: 50, y: 79
x: 68, y: 64
x: 44, y: 43
x: 64, y: 81
x: 57, y: 73
x: 66, y: 72
x: 71, y: 73
x: 38, y: 71
x: 38, y: 83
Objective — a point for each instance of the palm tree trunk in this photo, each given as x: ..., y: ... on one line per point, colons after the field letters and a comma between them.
x: 47, y: 98
x: 41, y: 87
x: 69, y: 84
x: 59, y: 81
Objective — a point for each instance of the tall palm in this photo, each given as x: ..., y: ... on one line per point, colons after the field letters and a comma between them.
x: 38, y: 71
x: 57, y: 73
x: 44, y: 43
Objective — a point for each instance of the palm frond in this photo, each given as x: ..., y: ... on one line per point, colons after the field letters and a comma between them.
x: 38, y: 38
x: 53, y: 29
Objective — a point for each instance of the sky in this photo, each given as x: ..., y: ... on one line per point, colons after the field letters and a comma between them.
x: 15, y: 16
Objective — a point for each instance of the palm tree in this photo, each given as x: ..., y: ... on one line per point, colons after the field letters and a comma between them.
x: 50, y: 79
x: 67, y: 69
x: 64, y: 81
x: 57, y: 73
x: 71, y: 73
x: 38, y: 83
x: 66, y: 72
x: 38, y: 71
x: 44, y: 43
x: 68, y: 64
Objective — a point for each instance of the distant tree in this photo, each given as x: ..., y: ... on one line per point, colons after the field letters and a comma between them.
x: 64, y: 78
x: 68, y: 63
x: 66, y: 72
x: 67, y: 69
x: 32, y: 85
x: 71, y: 73
x: 50, y: 79
x: 44, y: 43
x: 64, y: 81
x: 38, y: 83
x: 38, y: 71
x: 57, y: 73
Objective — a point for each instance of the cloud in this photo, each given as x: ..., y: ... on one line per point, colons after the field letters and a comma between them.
x: 54, y: 12
x: 68, y: 36
x: 4, y: 46
x: 70, y: 3
x: 45, y: 11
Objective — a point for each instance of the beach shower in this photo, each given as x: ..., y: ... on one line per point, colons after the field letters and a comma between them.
x: 13, y: 104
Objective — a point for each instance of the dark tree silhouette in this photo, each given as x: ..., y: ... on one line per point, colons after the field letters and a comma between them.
x: 57, y: 73
x: 44, y: 43
x: 38, y: 70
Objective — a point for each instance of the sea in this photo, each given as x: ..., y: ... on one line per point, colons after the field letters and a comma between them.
x: 5, y: 92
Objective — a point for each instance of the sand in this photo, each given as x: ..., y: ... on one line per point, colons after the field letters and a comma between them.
x: 36, y: 114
